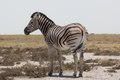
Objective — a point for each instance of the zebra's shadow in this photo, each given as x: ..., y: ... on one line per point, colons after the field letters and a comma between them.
x: 64, y: 76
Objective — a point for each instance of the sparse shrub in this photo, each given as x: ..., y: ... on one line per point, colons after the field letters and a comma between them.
x: 111, y: 70
x: 11, y: 55
x: 70, y: 66
x: 8, y: 60
x: 109, y: 52
x: 17, y: 62
x: 13, y: 72
x: 3, y: 76
x: 39, y: 53
x: 87, y: 67
x: 116, y: 66
x: 10, y: 72
x: 5, y: 50
x: 91, y: 48
x: 107, y: 62
x: 26, y: 70
x: 34, y: 71
x: 91, y: 61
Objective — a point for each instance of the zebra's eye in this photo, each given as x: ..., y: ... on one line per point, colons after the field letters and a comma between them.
x: 86, y: 32
x: 31, y: 22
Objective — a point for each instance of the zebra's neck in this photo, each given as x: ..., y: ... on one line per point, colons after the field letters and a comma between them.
x: 45, y: 24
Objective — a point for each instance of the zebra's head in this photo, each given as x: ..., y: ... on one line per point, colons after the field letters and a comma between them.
x: 33, y: 24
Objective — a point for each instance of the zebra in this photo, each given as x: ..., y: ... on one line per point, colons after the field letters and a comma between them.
x: 71, y: 37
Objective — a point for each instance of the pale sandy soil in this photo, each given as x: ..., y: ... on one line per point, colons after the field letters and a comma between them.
x: 97, y: 73
x: 69, y: 58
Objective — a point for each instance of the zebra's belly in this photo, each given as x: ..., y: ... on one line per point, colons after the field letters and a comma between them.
x: 63, y: 47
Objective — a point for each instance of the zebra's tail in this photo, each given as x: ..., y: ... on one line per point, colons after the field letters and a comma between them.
x: 80, y: 43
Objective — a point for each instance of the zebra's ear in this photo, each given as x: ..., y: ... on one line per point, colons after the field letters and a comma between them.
x: 35, y: 13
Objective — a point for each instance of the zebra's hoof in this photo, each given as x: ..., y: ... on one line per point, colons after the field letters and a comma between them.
x: 74, y: 75
x: 50, y: 74
x: 60, y: 74
x: 80, y: 75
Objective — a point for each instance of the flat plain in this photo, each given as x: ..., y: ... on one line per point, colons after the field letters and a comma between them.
x: 25, y: 58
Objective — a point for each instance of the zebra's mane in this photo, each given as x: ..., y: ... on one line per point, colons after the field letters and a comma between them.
x: 41, y: 14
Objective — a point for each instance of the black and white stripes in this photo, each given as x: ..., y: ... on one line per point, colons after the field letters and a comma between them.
x: 72, y: 36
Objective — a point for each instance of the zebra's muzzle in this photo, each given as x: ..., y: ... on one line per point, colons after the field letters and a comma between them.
x: 26, y: 31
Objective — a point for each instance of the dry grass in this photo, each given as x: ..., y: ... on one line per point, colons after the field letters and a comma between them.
x: 26, y: 70
x: 104, y: 38
x: 100, y: 44
x: 22, y: 41
x: 111, y: 70
x: 107, y: 62
x: 104, y: 62
x: 70, y: 66
x: 10, y: 55
x: 96, y: 42
x: 104, y: 44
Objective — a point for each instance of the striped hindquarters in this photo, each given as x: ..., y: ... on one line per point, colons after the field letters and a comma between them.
x: 67, y: 37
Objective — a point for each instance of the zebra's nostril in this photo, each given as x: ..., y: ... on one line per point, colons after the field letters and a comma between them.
x: 26, y: 31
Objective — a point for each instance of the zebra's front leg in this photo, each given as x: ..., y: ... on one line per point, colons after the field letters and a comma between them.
x: 50, y: 67
x: 60, y: 62
x: 76, y: 64
x: 51, y: 52
x: 81, y: 63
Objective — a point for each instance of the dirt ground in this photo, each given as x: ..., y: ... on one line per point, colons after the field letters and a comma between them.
x: 97, y: 73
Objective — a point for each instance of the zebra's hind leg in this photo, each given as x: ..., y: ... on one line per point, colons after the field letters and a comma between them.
x: 81, y: 63
x: 76, y: 64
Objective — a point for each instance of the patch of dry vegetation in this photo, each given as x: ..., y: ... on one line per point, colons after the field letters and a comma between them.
x: 100, y: 44
x: 104, y: 62
x: 70, y: 66
x: 26, y: 70
x: 117, y: 66
x: 114, y: 68
x: 104, y: 44
x: 10, y: 55
x: 107, y: 62
x: 22, y: 41
x: 111, y: 70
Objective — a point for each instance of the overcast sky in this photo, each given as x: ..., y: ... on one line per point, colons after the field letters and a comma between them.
x: 98, y: 16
